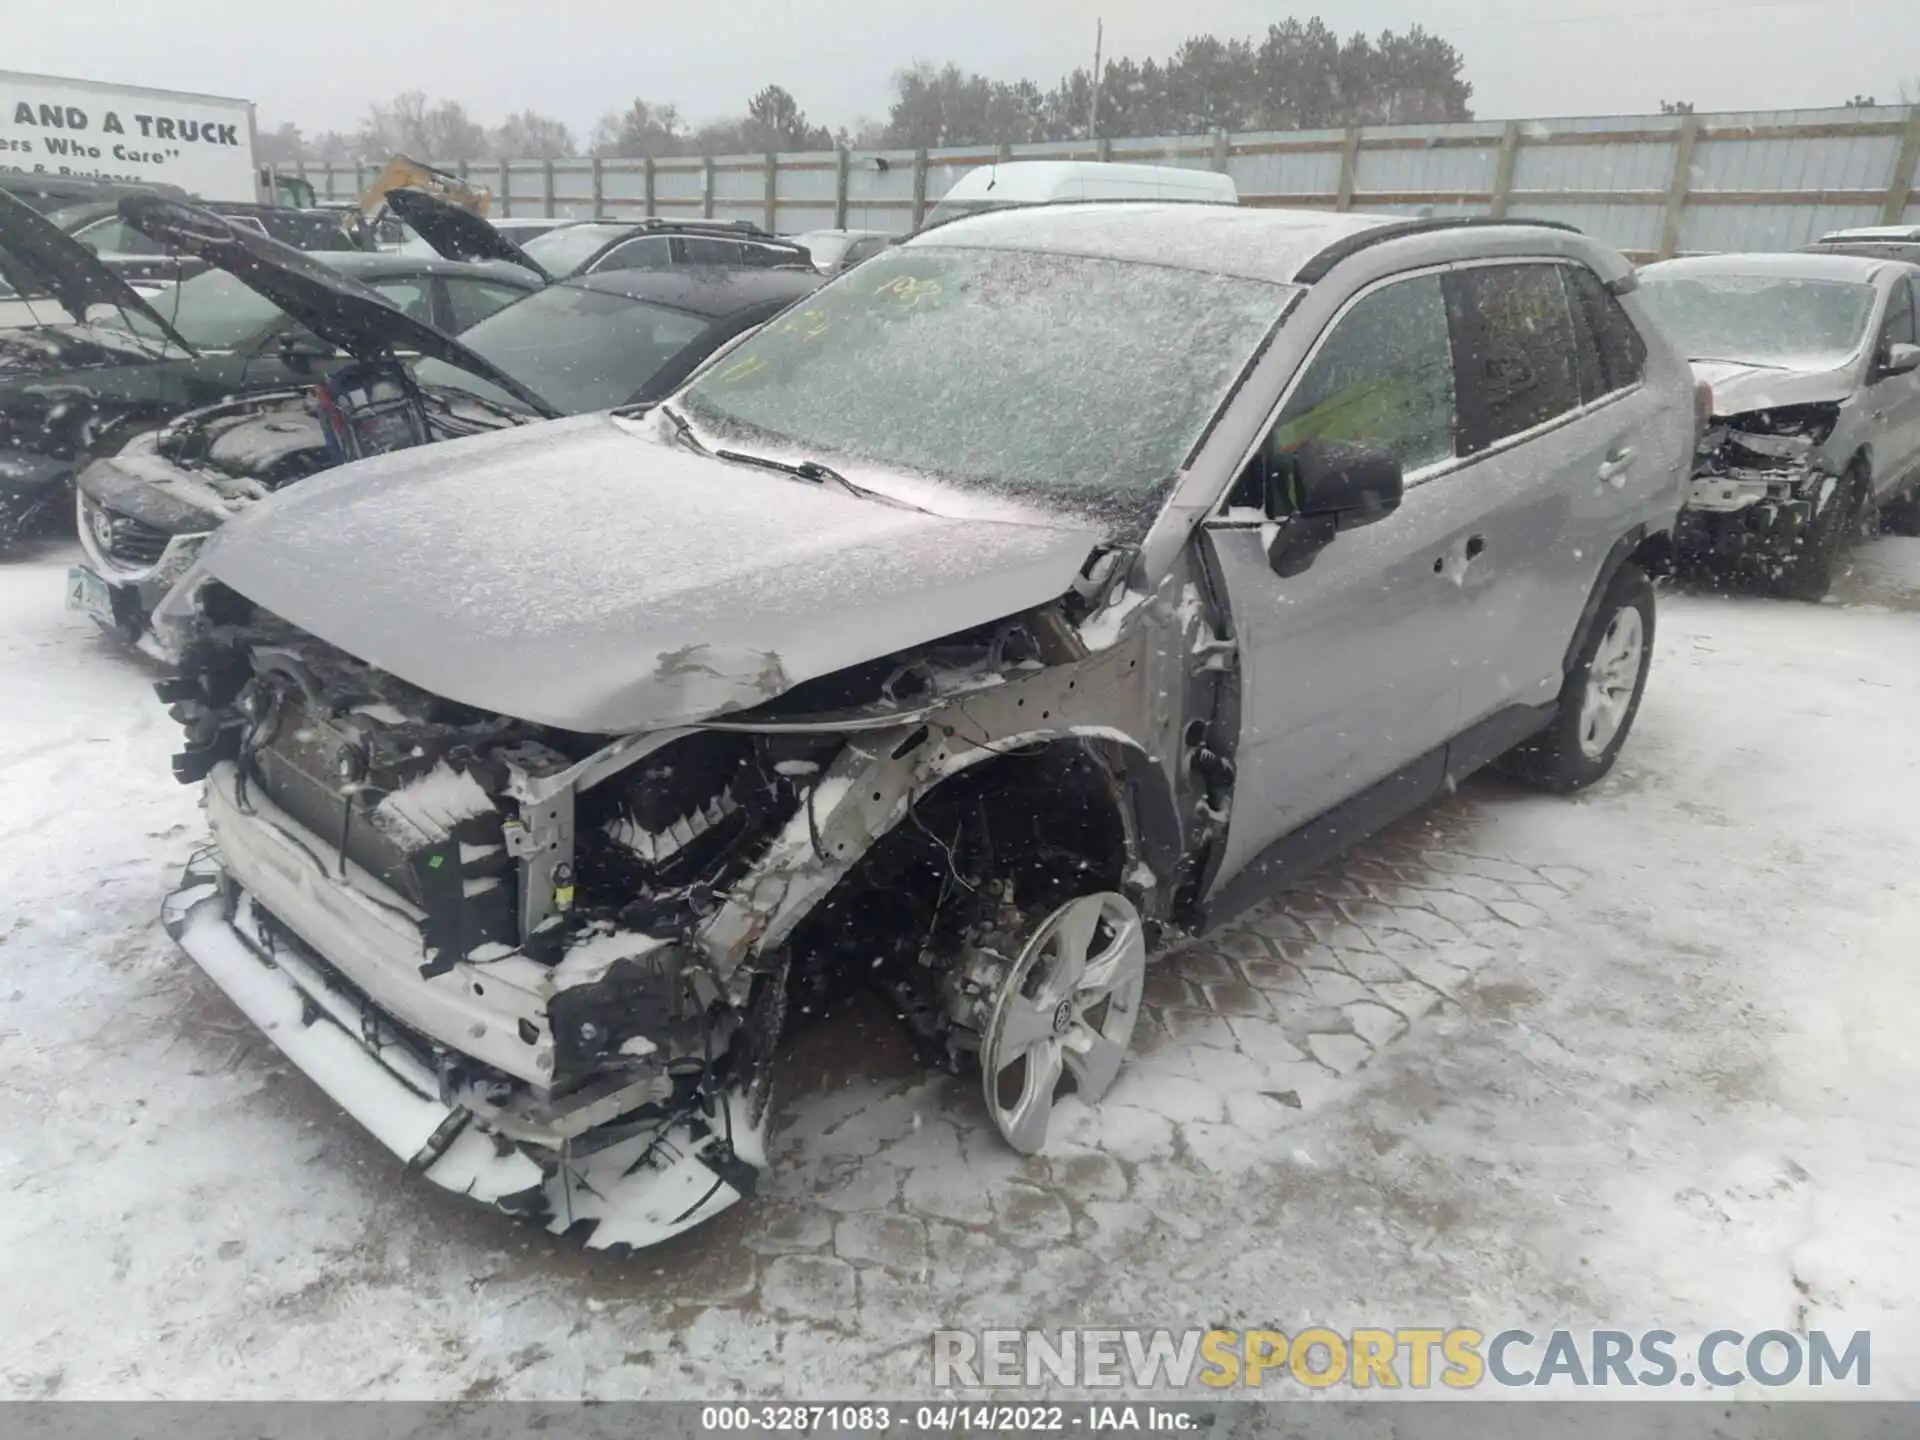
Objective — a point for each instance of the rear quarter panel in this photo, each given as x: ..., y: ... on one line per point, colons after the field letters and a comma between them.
x: 1667, y: 437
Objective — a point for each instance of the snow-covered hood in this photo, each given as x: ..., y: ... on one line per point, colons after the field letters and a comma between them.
x: 580, y: 575
x: 1738, y: 389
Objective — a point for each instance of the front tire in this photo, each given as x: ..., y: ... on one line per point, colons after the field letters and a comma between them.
x: 1601, y: 694
x: 1809, y: 574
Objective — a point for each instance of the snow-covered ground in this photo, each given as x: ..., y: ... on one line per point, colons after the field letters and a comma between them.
x: 1640, y: 1059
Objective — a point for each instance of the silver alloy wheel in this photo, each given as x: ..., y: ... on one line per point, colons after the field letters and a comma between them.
x: 1070, y: 1001
x: 1611, y: 680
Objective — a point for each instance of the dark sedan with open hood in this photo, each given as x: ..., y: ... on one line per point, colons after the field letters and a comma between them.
x: 566, y: 349
x: 97, y: 364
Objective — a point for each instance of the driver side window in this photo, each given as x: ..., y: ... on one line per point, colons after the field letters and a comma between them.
x: 1383, y: 376
x: 1899, y: 326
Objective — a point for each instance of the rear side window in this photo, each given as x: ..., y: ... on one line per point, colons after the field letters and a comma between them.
x: 769, y: 256
x: 701, y: 250
x: 1516, y: 351
x: 1611, y: 354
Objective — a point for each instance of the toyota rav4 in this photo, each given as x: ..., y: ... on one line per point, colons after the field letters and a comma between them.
x: 1045, y: 590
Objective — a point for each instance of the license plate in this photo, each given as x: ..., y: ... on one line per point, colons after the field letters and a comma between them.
x: 87, y: 591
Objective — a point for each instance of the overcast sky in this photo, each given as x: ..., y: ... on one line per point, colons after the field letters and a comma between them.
x: 322, y: 65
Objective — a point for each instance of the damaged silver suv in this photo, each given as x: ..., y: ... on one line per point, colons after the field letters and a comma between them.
x: 1043, y: 591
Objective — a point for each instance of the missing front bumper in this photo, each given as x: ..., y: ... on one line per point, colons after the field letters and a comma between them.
x: 1762, y: 530
x: 632, y: 1181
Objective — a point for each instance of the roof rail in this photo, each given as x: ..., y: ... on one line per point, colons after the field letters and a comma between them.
x: 694, y: 222
x: 1315, y: 270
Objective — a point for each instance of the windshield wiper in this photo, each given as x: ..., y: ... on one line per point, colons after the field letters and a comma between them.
x: 682, y: 429
x: 819, y: 474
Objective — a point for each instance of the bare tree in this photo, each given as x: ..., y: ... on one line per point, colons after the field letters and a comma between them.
x: 528, y: 135
x: 639, y: 130
x: 281, y: 145
x: 410, y: 124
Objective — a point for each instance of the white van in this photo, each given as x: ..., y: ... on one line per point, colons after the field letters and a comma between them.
x: 1061, y: 182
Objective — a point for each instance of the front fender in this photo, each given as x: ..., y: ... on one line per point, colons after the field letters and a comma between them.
x: 865, y: 793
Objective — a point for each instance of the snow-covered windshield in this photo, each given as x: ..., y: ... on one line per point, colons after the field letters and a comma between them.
x: 212, y: 311
x: 576, y: 348
x: 565, y: 250
x: 1763, y: 319
x: 1074, y: 382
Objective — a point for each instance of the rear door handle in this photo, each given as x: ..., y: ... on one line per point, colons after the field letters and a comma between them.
x: 1613, y: 470
x: 1476, y: 545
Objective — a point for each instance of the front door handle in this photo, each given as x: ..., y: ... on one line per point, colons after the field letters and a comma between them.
x: 1613, y: 470
x: 1476, y: 546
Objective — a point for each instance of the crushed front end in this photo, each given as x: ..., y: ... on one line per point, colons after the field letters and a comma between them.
x: 427, y: 912
x: 550, y: 969
x: 1760, y: 482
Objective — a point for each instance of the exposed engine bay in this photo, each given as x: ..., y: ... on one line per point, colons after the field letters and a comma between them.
x: 144, y: 513
x: 576, y: 953
x: 1757, y: 483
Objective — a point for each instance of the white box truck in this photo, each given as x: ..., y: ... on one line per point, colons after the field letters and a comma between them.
x: 91, y: 130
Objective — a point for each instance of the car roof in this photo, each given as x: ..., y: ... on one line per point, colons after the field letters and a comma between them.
x: 1906, y: 251
x: 1796, y: 264
x: 709, y: 290
x: 744, y: 229
x: 365, y: 265
x: 1875, y: 232
x: 806, y: 235
x: 1277, y: 245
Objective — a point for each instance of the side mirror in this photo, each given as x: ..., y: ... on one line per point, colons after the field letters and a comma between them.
x: 1336, y: 485
x: 1900, y: 360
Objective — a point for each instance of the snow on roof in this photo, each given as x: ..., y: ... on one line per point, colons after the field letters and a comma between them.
x: 1797, y: 264
x: 1221, y: 239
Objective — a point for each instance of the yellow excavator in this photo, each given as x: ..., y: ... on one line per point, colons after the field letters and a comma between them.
x: 404, y: 172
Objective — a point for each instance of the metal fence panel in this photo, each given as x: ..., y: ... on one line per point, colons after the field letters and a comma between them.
x: 1290, y: 172
x: 1643, y: 166
x: 1751, y: 179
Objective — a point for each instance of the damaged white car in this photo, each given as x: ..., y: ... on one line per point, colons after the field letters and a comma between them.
x: 1041, y: 591
x: 1814, y: 365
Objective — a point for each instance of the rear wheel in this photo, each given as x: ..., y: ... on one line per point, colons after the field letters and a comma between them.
x: 1601, y: 694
